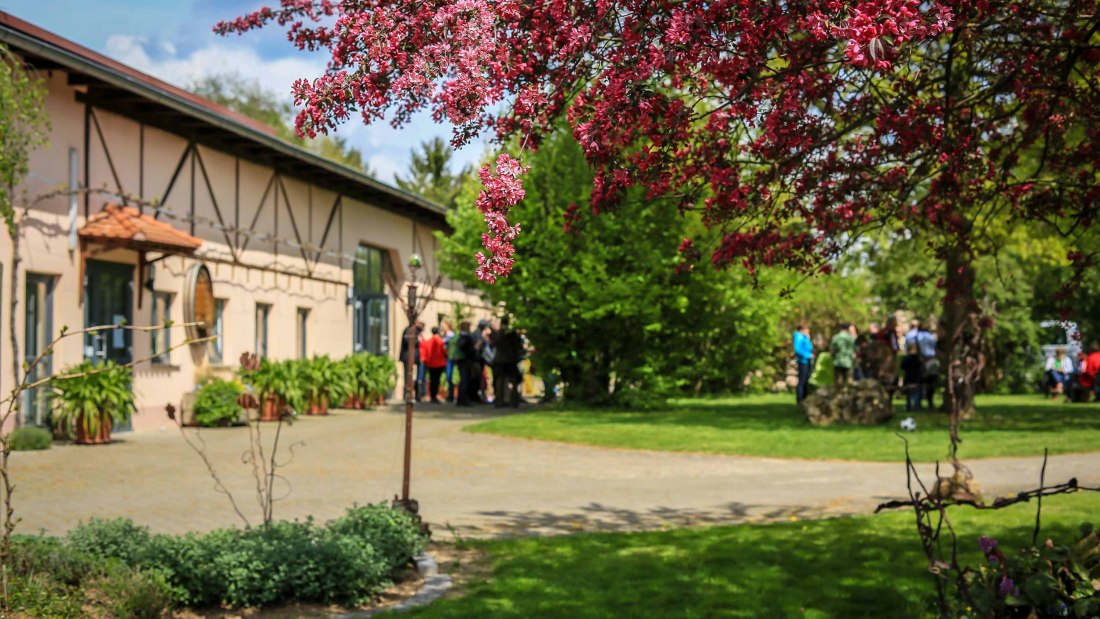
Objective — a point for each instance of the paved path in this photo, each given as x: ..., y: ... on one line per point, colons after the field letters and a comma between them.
x: 480, y: 485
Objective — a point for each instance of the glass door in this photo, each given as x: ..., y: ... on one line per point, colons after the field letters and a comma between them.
x: 372, y: 325
x: 108, y: 300
x: 38, y: 317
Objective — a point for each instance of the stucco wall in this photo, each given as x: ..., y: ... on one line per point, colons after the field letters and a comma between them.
x: 244, y: 273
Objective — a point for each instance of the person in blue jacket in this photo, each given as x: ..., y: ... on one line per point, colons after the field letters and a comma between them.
x: 804, y: 355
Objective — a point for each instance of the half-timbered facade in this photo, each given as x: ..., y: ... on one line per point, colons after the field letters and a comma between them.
x: 296, y: 246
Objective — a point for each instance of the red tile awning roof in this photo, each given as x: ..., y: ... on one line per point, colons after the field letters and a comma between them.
x: 124, y: 226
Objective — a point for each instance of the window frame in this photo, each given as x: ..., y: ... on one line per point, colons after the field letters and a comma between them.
x: 262, y: 322
x: 302, y: 332
x: 216, y: 350
x: 165, y: 356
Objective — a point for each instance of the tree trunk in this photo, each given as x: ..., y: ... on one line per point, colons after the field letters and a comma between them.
x: 13, y: 307
x: 961, y: 340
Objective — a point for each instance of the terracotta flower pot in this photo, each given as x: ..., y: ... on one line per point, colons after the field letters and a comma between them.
x: 101, y: 436
x: 353, y: 401
x: 272, y: 408
x: 319, y: 406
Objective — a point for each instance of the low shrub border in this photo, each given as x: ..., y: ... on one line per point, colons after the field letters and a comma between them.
x: 346, y: 562
x: 30, y: 438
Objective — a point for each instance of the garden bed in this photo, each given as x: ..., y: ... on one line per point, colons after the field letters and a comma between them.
x: 115, y: 568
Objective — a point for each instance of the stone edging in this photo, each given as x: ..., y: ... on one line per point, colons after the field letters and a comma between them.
x: 433, y: 587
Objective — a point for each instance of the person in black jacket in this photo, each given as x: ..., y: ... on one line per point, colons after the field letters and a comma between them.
x: 506, y: 376
x: 469, y: 364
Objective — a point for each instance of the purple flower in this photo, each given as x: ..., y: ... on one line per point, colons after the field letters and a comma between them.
x: 987, y: 544
x: 1007, y: 586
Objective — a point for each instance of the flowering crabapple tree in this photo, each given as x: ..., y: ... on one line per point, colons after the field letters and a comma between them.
x: 791, y: 127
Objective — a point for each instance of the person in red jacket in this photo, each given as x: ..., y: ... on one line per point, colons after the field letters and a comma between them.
x: 1091, y: 369
x: 434, y: 354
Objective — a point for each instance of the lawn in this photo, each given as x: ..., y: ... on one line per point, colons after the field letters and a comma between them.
x: 772, y: 425
x: 868, y: 566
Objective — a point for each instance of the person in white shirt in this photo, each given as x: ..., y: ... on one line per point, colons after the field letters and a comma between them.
x: 1059, y: 370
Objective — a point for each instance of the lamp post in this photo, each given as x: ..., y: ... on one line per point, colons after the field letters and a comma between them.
x: 411, y: 310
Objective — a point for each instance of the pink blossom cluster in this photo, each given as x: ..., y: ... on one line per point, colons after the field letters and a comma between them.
x: 502, y: 190
x: 790, y: 127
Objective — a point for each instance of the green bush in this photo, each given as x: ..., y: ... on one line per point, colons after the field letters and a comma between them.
x: 50, y: 556
x: 117, y: 538
x: 30, y: 438
x: 133, y: 593
x: 216, y: 403
x: 346, y: 562
x: 39, y: 595
x: 54, y: 579
x: 392, y: 532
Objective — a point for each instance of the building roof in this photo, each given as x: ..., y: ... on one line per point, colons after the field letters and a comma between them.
x: 121, y: 89
x: 124, y: 225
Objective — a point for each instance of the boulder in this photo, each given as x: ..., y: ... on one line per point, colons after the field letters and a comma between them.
x: 862, y: 403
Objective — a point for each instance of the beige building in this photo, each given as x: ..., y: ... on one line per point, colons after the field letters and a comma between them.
x: 295, y: 245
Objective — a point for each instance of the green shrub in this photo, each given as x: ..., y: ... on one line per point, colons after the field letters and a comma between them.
x: 48, y: 555
x: 40, y: 595
x: 30, y: 438
x: 117, y: 538
x: 135, y: 574
x: 216, y: 403
x: 299, y: 561
x: 133, y: 593
x: 392, y: 532
x: 54, y: 579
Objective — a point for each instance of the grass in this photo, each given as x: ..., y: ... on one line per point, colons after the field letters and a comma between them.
x: 772, y: 425
x: 843, y: 568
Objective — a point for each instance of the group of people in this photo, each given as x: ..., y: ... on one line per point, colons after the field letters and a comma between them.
x: 1077, y: 379
x: 888, y: 354
x: 466, y: 360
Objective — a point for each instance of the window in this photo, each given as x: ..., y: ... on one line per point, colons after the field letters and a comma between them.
x: 217, y: 345
x: 370, y: 267
x: 263, y: 311
x: 161, y: 338
x: 303, y: 325
x: 370, y: 301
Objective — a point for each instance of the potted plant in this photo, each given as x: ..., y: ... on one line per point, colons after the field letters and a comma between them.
x: 324, y: 381
x: 276, y: 386
x: 90, y: 398
x: 370, y: 377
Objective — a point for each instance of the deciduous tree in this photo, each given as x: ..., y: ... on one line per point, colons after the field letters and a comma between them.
x: 792, y: 127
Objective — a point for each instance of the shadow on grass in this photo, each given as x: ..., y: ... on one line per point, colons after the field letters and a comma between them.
x: 597, y: 517
x: 843, y: 569
x: 840, y: 568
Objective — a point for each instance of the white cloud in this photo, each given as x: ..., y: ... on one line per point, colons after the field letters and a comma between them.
x: 385, y: 148
x: 384, y: 167
x: 275, y: 75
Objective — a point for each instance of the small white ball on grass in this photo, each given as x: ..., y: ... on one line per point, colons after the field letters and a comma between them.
x: 908, y: 424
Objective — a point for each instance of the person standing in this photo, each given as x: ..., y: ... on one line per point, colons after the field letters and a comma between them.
x: 804, y: 357
x: 925, y: 342
x: 465, y: 360
x: 843, y: 350
x: 912, y: 369
x: 508, y: 347
x: 414, y: 358
x: 449, y: 341
x: 435, y: 359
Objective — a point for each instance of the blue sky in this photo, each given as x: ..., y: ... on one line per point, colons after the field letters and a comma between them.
x: 172, y: 40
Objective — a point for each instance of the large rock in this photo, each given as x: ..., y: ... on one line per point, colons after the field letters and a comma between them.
x: 863, y: 403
